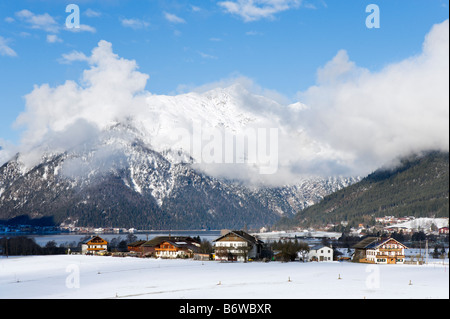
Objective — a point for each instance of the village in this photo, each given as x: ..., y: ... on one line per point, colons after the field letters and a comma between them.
x: 391, y: 240
x: 240, y: 246
x: 233, y: 264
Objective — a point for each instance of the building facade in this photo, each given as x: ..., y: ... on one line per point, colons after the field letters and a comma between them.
x: 373, y: 250
x: 94, y: 246
x: 176, y: 249
x: 165, y: 247
x: 320, y: 253
x: 237, y: 245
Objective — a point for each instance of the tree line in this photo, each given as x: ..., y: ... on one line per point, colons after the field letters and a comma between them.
x: 21, y: 245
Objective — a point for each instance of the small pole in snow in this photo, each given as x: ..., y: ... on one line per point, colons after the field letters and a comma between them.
x: 339, y: 277
x: 410, y: 283
x: 289, y: 279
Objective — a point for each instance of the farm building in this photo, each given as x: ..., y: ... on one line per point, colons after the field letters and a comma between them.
x: 237, y: 245
x: 374, y: 250
x: 94, y: 246
x: 320, y: 253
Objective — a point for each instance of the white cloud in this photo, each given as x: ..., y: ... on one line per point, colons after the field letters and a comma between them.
x: 134, y: 23
x: 172, y: 18
x: 253, y: 10
x: 53, y: 38
x: 207, y: 56
x: 106, y: 92
x: 49, y: 24
x: 254, y: 33
x: 68, y: 58
x: 351, y: 122
x: 111, y: 90
x: 5, y: 49
x: 377, y: 116
x: 82, y: 28
x: 7, y: 151
x: 38, y: 21
x: 24, y: 34
x: 92, y: 13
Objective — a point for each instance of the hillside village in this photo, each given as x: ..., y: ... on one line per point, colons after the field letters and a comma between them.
x: 390, y: 224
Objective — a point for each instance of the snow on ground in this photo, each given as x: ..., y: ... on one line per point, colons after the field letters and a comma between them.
x: 77, y: 276
x: 422, y: 223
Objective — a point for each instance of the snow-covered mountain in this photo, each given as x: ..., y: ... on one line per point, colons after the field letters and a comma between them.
x: 106, y: 152
x: 117, y: 180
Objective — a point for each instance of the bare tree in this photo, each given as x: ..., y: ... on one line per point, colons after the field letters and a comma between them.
x: 303, y: 250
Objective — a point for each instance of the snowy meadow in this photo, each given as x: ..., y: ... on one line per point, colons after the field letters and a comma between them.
x: 101, y: 277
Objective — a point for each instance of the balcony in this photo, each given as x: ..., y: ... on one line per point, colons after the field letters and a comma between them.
x: 166, y: 249
x: 390, y: 256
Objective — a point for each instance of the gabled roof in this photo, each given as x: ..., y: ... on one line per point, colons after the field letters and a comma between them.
x: 94, y: 239
x: 136, y: 243
x: 374, y: 243
x: 160, y: 239
x: 242, y: 234
x: 365, y: 242
x: 181, y: 244
x: 317, y: 247
x: 382, y: 242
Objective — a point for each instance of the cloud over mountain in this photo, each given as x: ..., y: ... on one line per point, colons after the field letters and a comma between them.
x: 351, y: 122
x: 376, y: 116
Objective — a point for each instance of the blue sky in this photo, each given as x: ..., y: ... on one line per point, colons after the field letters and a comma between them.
x: 182, y: 44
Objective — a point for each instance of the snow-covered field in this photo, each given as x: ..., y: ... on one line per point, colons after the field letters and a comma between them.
x: 77, y: 276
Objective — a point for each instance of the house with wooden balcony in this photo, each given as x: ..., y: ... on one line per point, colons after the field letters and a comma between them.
x: 176, y: 249
x: 165, y: 246
x: 94, y: 246
x: 374, y: 250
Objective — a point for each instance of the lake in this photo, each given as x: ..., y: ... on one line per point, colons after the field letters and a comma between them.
x: 62, y: 238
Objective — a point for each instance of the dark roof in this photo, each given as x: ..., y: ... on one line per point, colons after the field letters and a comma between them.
x: 316, y: 247
x: 93, y: 239
x: 136, y: 243
x: 249, y: 238
x: 160, y: 239
x: 365, y: 242
x: 381, y: 242
x: 183, y: 244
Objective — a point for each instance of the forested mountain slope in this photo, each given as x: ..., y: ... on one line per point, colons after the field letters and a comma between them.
x: 418, y: 186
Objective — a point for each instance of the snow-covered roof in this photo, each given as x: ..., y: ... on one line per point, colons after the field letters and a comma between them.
x: 317, y: 247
